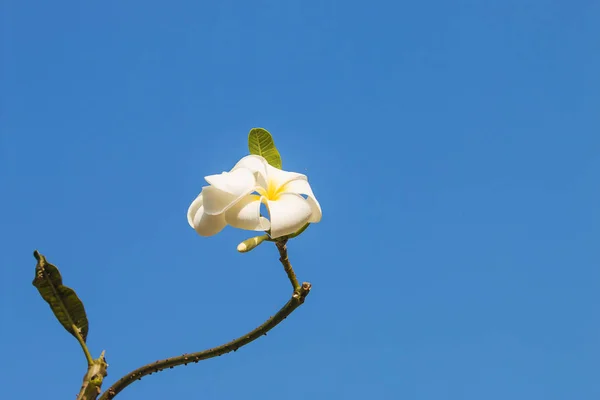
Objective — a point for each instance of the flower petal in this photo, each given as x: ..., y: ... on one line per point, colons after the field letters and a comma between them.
x: 288, y: 213
x: 193, y: 208
x: 208, y: 225
x: 302, y: 187
x: 265, y: 173
x: 204, y: 224
x: 238, y: 182
x: 245, y: 214
x: 254, y: 163
x: 216, y: 201
x: 258, y: 166
x: 279, y: 177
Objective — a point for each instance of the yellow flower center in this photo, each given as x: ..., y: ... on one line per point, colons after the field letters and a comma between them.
x: 272, y: 192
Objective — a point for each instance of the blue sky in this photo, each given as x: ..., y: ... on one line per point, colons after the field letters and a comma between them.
x: 453, y: 146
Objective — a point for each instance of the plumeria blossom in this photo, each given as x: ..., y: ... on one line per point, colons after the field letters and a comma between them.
x: 235, y: 197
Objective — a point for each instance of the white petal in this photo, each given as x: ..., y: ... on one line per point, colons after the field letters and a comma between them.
x: 302, y: 187
x: 279, y: 177
x: 256, y: 164
x: 227, y: 189
x: 217, y: 201
x: 204, y: 224
x: 208, y: 225
x: 288, y: 214
x: 265, y: 173
x: 237, y: 183
x: 245, y: 214
x: 252, y: 162
x: 196, y: 204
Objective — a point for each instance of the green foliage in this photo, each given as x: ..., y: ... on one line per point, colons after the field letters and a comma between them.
x: 63, y: 301
x: 261, y: 143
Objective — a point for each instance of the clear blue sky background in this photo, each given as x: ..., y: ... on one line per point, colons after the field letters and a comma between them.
x: 454, y: 147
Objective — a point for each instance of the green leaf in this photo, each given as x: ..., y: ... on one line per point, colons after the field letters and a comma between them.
x: 63, y: 301
x: 261, y: 143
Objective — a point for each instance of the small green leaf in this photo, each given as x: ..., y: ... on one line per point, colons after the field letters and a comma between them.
x: 261, y: 143
x: 63, y: 301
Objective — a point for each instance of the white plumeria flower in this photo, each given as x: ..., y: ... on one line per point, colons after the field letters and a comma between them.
x: 234, y: 198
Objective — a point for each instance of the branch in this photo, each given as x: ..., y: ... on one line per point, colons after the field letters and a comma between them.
x: 287, y: 266
x: 300, y: 293
x: 92, y: 381
x: 296, y: 300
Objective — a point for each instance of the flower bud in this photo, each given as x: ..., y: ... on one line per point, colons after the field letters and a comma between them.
x: 251, y: 243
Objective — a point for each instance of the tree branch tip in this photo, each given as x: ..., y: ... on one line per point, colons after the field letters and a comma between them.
x: 103, y: 357
x: 37, y: 255
x: 301, y: 293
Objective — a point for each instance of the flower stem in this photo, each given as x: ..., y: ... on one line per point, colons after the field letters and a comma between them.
x: 287, y: 266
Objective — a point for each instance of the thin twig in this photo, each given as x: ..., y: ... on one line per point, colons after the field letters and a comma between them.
x: 300, y: 293
x: 287, y: 266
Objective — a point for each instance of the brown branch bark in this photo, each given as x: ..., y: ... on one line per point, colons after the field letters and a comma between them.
x: 296, y: 300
